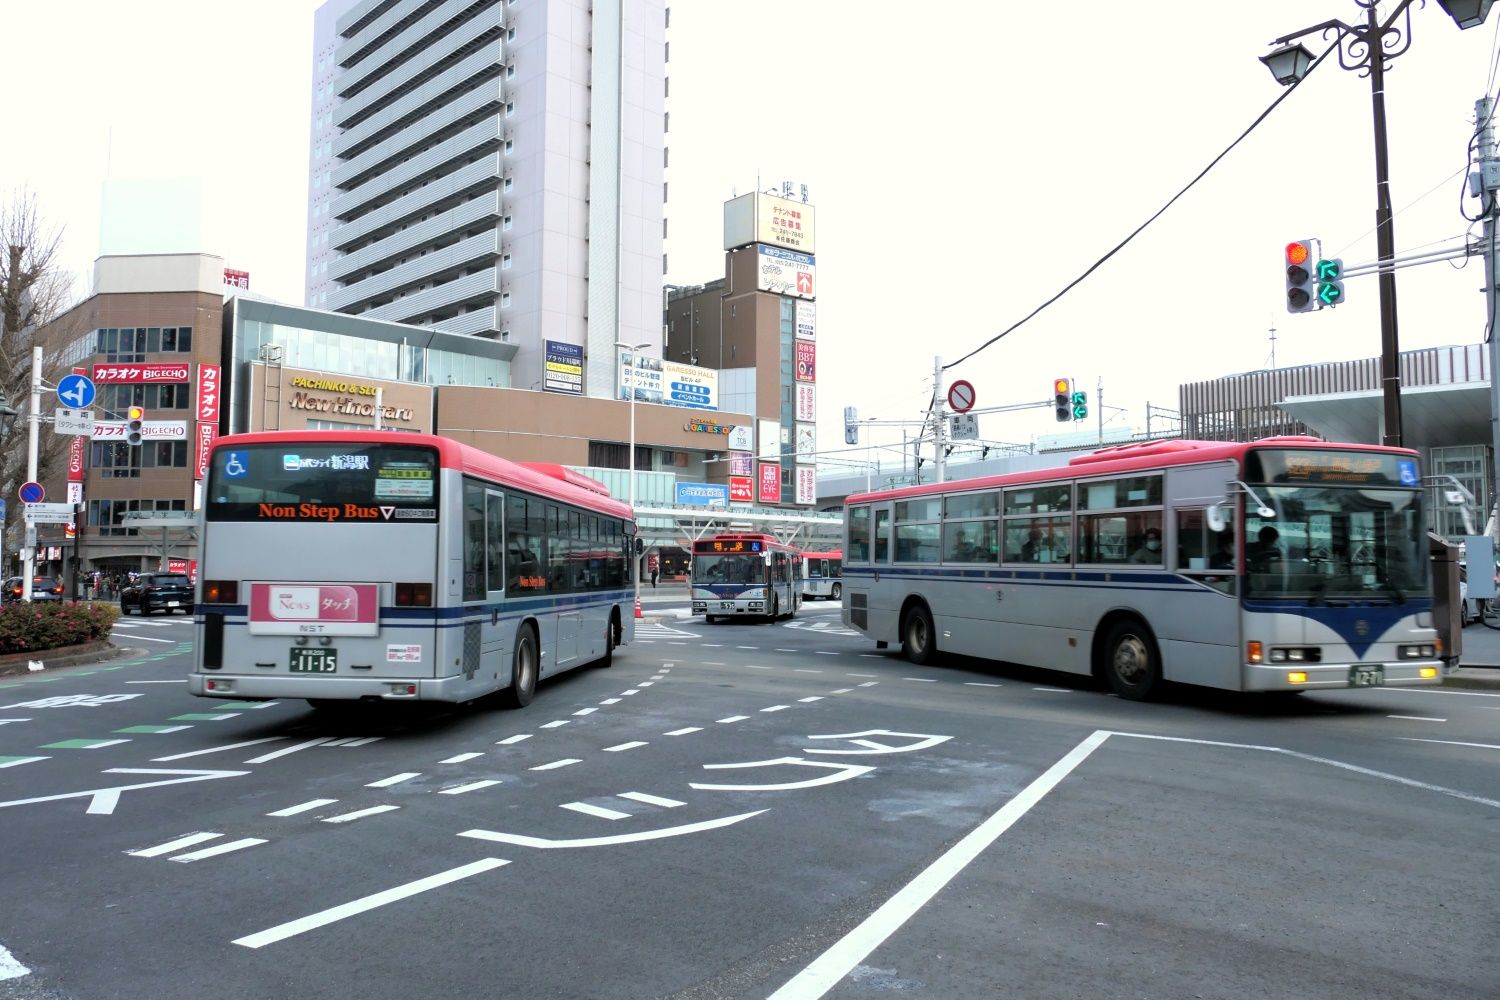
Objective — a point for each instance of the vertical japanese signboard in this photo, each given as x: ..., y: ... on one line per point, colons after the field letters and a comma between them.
x: 564, y: 368
x: 770, y: 482
x: 806, y: 401
x: 75, y: 459
x: 207, y: 433
x: 807, y: 361
x: 741, y: 489
x: 208, y: 392
x: 807, y: 485
x: 807, y: 320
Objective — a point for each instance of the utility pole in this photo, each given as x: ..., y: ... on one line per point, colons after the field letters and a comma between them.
x: 939, y: 418
x: 1484, y: 108
x: 33, y: 432
x: 1099, y: 402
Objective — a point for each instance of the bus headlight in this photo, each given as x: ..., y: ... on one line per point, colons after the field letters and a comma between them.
x: 1425, y: 651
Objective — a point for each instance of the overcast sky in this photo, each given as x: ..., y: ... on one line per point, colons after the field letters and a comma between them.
x: 966, y: 161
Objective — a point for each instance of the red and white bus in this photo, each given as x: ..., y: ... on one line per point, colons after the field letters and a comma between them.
x: 377, y: 565
x: 1285, y: 564
x: 823, y: 574
x: 738, y: 575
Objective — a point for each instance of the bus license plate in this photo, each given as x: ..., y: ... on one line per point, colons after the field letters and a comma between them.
x: 726, y: 605
x: 313, y: 661
x: 1367, y: 675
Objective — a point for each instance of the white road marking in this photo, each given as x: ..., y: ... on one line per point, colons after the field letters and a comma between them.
x: 365, y: 741
x: 776, y: 708
x: 303, y: 807
x: 861, y: 675
x: 747, y: 647
x: 735, y: 718
x: 812, y: 697
x: 460, y: 758
x: 394, y: 779
x: 472, y: 786
x: 513, y: 739
x: 921, y: 680
x: 164, y: 730
x: 825, y: 652
x: 5, y: 721
x: 180, y: 680
x: 22, y: 760
x: 780, y: 650
x: 1451, y: 743
x: 324, y: 917
x: 285, y: 750
x: 875, y: 656
x: 101, y: 744
x: 650, y: 800
x: 624, y: 838
x: 714, y: 663
x: 147, y: 638
x: 586, y: 711
x: 361, y: 814
x: 684, y: 732
x: 676, y: 644
x: 713, y: 645
x: 841, y: 690
x: 340, y: 742
x: 1461, y: 694
x: 610, y: 701
x: 1054, y: 690
x: 805, y: 670
x: 227, y: 746
x: 868, y: 684
x: 627, y: 694
x: 9, y: 967
x: 553, y: 724
x: 217, y: 849
x: 979, y: 684
x: 102, y: 801
x: 626, y: 746
x: 565, y: 762
x: 1416, y: 718
x: 645, y: 684
x: 174, y: 845
x: 829, y: 968
x: 756, y: 666
x: 598, y: 811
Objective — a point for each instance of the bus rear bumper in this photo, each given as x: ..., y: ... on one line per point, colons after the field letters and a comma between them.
x: 255, y: 686
x: 1323, y: 677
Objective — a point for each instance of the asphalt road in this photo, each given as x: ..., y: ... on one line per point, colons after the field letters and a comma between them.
x: 744, y: 810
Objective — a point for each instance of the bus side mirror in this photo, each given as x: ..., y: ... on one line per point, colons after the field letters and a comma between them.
x: 1217, y: 521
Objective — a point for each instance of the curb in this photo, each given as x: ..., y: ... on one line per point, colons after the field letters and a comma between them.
x: 15, y: 664
x: 1472, y: 682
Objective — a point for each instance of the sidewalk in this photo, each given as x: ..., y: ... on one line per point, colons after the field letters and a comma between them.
x: 1479, y: 661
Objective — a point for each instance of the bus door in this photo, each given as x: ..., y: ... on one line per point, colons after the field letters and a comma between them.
x: 483, y: 647
x: 876, y: 592
x: 1198, y: 631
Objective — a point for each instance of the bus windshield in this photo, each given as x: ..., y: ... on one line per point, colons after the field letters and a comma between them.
x: 300, y: 481
x: 739, y: 568
x: 1328, y: 544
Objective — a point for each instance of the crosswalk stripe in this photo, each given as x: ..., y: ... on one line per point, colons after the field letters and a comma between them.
x: 599, y: 811
x: 174, y: 845
x: 217, y: 849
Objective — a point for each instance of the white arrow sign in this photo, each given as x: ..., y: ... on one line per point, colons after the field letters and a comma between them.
x: 49, y: 513
x: 102, y: 801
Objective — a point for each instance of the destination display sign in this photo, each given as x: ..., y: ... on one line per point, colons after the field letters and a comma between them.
x: 1348, y: 468
x: 727, y: 547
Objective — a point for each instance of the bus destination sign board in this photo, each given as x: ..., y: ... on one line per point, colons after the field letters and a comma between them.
x: 728, y: 547
x: 1349, y: 468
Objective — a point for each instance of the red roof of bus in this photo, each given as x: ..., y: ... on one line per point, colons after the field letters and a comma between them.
x: 826, y: 554
x: 1137, y: 457
x: 545, y: 479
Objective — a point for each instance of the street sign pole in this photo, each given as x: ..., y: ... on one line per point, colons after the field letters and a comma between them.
x: 33, y: 419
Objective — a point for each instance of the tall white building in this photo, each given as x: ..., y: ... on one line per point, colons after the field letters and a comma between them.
x: 492, y: 168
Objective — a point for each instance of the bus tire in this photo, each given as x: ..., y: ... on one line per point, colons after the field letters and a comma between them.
x: 608, y: 659
x: 709, y: 619
x: 1131, y: 663
x: 918, y: 636
x: 525, y: 664
x: 837, y: 592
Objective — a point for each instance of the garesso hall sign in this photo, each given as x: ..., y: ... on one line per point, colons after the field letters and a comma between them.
x: 312, y: 399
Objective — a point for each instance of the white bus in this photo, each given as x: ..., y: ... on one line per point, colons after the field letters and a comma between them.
x: 375, y: 565
x: 1286, y: 564
x: 739, y: 575
x: 823, y: 574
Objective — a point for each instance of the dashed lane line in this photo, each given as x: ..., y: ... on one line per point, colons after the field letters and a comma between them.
x: 805, y: 670
x: 980, y: 684
x: 553, y: 724
x: 360, y: 814
x: 734, y: 718
x: 1417, y: 718
x: 626, y: 746
x: 204, y: 716
x: 460, y: 758
x: 554, y: 765
x: 650, y: 800
x: 921, y: 680
x: 394, y: 779
x: 263, y: 758
x: 811, y: 698
x: 217, y: 849
x: 18, y: 761
x: 303, y: 807
x: 586, y: 711
x: 684, y: 731
x: 219, y: 749
x: 610, y: 701
x: 81, y: 744
x: 156, y: 730
x: 776, y: 708
x: 513, y: 739
x: 597, y: 811
x: 861, y: 675
x: 472, y: 786
x: 1054, y: 690
x: 175, y: 845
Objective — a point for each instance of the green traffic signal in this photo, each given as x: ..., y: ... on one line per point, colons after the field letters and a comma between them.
x: 1080, y: 405
x: 1329, y: 288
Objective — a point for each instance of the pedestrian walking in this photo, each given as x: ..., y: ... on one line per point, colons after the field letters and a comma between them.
x: 655, y: 571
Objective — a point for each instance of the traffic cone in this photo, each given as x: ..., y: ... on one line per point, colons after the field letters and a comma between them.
x: 638, y: 607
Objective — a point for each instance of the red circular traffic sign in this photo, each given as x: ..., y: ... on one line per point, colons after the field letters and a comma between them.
x: 961, y: 396
x: 32, y: 492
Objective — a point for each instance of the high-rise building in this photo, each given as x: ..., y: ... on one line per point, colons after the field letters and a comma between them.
x: 492, y: 168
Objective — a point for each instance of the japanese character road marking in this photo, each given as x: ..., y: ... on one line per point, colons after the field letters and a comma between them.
x: 843, y: 773
x: 624, y: 838
x: 923, y: 741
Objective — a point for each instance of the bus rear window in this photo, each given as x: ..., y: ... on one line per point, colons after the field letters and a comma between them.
x: 332, y: 483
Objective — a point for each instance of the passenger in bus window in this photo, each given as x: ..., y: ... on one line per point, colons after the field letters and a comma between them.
x: 1266, y: 550
x: 963, y: 549
x: 1031, y: 551
x: 1223, y: 557
x: 1150, y: 549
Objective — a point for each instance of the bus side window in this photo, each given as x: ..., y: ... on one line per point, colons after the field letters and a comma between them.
x: 882, y: 536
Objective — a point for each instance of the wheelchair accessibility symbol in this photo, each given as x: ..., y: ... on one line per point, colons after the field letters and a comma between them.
x: 236, y: 465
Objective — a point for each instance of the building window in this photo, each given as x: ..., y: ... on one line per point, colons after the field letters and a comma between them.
x: 510, y: 146
x: 505, y: 300
x: 505, y: 223
x: 510, y: 108
x: 510, y: 70
x: 666, y: 121
x: 505, y: 185
x: 505, y: 263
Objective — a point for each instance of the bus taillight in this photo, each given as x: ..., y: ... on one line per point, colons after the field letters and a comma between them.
x: 413, y: 595
x: 221, y: 592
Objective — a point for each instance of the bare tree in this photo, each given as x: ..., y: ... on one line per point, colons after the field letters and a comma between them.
x: 34, y: 291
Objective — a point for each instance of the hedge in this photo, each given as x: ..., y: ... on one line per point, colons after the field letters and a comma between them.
x: 30, y: 628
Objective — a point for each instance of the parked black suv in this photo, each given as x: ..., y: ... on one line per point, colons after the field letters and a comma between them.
x: 43, y: 588
x: 150, y: 592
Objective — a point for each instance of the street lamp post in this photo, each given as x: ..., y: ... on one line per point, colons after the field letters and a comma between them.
x: 635, y: 557
x: 1367, y: 48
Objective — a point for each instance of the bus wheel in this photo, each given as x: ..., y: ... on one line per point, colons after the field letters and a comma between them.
x: 1130, y: 661
x: 523, y: 670
x: 836, y: 592
x: 918, y: 638
x: 709, y: 619
x: 608, y: 659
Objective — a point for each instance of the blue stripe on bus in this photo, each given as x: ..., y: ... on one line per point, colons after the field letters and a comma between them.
x: 517, y: 608
x: 1360, y: 625
x: 1111, y: 577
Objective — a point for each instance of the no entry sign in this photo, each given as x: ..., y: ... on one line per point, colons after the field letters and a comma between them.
x: 961, y: 396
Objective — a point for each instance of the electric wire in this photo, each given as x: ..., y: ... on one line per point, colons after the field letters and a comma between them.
x: 1159, y: 212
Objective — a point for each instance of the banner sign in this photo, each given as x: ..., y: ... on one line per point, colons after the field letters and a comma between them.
x: 806, y: 401
x: 807, y: 445
x: 785, y: 272
x: 742, y: 438
x: 807, y: 361
x: 741, y: 489
x: 208, y: 392
x: 207, y: 433
x: 770, y: 482
x: 807, y: 485
x: 151, y: 430
x: 702, y: 495
x: 237, y: 279
x: 741, y: 465
x: 564, y: 368
x: 668, y: 382
x: 314, y: 609
x: 143, y: 373
x: 75, y: 460
x: 807, y: 325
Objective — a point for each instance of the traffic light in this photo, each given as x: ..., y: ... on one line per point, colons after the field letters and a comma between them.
x: 1300, y: 293
x: 135, y: 425
x: 1329, y: 281
x: 1062, y: 399
x: 1080, y: 405
x: 851, y: 428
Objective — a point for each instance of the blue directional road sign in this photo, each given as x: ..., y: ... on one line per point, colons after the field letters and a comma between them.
x: 32, y: 493
x: 77, y: 391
